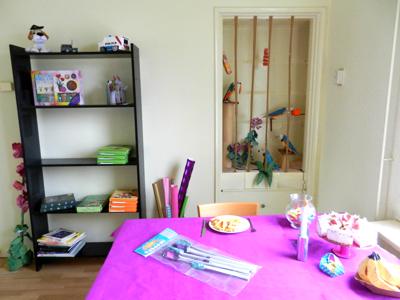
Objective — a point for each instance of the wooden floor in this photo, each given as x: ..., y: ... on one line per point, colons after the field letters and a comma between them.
x: 70, y: 279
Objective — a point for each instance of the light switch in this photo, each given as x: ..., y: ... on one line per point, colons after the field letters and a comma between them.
x: 340, y: 77
x: 6, y: 86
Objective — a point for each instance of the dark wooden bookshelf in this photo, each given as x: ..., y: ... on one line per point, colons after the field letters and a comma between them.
x: 81, y: 55
x: 92, y: 249
x: 83, y: 106
x: 29, y: 132
x: 73, y: 211
x: 76, y: 162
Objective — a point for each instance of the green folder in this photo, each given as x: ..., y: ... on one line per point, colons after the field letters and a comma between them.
x: 113, y: 162
x: 114, y: 150
x: 92, y: 203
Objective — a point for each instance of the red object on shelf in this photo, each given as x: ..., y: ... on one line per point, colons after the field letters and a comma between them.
x: 227, y: 66
x: 266, y: 57
x: 296, y: 112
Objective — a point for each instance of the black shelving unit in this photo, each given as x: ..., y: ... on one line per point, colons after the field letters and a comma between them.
x: 34, y: 162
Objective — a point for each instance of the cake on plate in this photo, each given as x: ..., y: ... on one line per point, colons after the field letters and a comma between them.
x: 346, y: 229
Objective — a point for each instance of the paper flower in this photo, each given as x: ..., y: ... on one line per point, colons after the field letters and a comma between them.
x: 18, y: 185
x: 22, y: 203
x: 256, y: 123
x: 21, y: 169
x: 17, y: 150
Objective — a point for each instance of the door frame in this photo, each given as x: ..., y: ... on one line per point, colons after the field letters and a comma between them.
x: 317, y: 17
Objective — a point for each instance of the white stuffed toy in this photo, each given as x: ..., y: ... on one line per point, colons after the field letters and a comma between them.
x: 39, y: 38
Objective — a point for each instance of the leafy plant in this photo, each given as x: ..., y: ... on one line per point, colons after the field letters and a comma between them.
x: 251, y: 138
x: 19, y: 254
x: 264, y: 173
x: 238, y: 154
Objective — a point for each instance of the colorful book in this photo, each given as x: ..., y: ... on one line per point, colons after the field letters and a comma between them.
x: 114, y: 150
x: 67, y: 87
x: 73, y: 251
x: 47, y: 241
x: 61, y: 235
x: 112, y: 161
x: 123, y: 201
x: 112, y: 157
x: 57, y: 87
x: 126, y: 195
x: 43, y: 87
x: 58, y: 202
x: 92, y: 203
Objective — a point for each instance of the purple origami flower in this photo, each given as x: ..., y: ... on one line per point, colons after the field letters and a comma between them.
x: 21, y: 169
x: 22, y: 203
x: 256, y: 123
x: 17, y: 150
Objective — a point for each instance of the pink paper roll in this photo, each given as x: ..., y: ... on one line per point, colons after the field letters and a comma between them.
x: 174, y: 201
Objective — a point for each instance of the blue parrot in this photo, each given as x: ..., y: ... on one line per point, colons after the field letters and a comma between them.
x: 270, y: 160
x: 277, y: 112
x: 285, y: 140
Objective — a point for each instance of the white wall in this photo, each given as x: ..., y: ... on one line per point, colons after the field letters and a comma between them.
x: 360, y: 40
x: 177, y: 68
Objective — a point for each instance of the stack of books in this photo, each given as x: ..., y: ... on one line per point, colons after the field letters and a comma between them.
x: 92, y: 203
x: 58, y: 203
x: 123, y: 201
x: 113, y: 155
x: 61, y: 243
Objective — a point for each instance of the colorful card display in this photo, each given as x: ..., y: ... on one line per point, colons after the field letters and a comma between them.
x: 52, y: 88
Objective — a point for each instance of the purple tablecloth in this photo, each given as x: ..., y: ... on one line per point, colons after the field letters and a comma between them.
x: 127, y: 275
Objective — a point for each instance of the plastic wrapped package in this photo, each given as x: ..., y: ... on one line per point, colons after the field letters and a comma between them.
x: 211, y: 266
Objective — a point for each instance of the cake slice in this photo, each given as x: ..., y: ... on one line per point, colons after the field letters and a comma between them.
x: 342, y: 236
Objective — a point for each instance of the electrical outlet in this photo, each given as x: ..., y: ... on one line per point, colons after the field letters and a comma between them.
x: 6, y: 86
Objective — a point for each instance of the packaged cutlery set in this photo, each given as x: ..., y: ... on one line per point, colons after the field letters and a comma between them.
x: 196, y: 260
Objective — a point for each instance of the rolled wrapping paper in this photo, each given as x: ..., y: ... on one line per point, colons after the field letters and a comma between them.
x: 183, y: 209
x: 174, y: 201
x: 166, y: 197
x: 185, y: 181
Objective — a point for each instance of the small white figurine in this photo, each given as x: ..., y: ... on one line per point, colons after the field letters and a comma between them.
x: 116, y: 91
x: 39, y: 38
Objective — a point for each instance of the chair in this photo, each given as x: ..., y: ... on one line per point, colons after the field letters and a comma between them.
x: 228, y: 208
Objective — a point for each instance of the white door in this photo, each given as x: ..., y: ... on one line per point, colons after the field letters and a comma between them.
x: 353, y: 116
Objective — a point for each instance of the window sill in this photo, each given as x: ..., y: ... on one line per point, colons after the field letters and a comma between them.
x: 389, y: 235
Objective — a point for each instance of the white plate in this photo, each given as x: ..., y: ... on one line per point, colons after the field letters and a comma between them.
x: 243, y: 224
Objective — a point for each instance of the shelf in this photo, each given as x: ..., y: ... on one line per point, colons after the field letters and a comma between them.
x: 77, y: 55
x: 82, y: 106
x: 77, y: 162
x: 29, y: 126
x: 90, y: 249
x: 73, y: 211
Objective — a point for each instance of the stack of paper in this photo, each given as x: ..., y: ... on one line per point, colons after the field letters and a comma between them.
x: 113, y: 155
x: 61, y: 243
x: 123, y: 201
